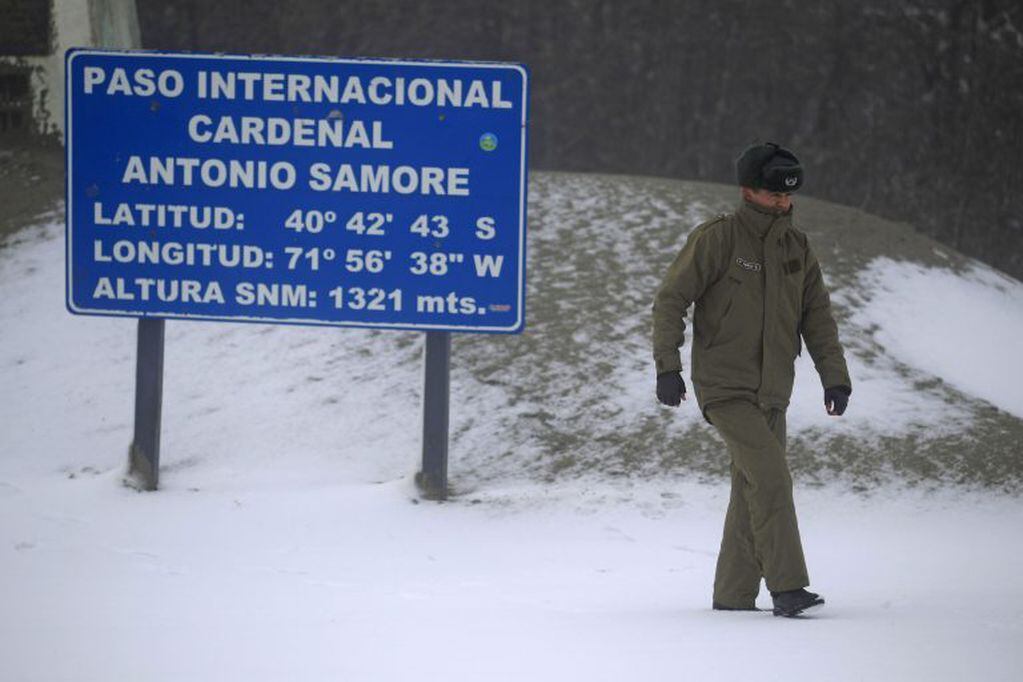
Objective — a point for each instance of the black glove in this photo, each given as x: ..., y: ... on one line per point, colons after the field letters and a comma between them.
x: 836, y: 399
x: 671, y: 389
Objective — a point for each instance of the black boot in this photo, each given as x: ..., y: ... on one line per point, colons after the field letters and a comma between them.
x: 795, y: 602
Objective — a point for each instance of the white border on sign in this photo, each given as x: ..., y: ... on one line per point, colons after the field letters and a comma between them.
x: 69, y: 218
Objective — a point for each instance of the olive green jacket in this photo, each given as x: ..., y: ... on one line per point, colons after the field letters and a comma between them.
x: 757, y: 287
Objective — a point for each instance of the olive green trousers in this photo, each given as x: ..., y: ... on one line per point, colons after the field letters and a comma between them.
x: 761, y: 536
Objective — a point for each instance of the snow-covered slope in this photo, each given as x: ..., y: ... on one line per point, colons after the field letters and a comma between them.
x: 287, y: 541
x: 937, y: 395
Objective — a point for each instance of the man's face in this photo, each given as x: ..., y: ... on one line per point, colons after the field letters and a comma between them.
x: 776, y: 202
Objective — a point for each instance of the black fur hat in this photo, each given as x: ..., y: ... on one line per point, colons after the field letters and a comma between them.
x: 769, y: 166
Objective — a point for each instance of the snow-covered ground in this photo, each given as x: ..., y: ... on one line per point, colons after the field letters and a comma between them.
x: 355, y: 582
x: 287, y: 541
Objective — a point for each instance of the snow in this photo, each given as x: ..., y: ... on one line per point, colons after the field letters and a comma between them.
x: 72, y: 378
x: 956, y: 326
x: 883, y: 403
x: 356, y: 582
x: 287, y: 542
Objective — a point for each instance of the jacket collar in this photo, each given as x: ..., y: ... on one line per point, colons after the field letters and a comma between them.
x: 759, y: 220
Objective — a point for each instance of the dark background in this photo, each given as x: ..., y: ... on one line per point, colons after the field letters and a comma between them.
x: 910, y: 110
x: 25, y: 28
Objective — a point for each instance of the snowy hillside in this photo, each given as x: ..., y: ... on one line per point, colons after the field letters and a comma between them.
x: 935, y: 399
x: 287, y: 541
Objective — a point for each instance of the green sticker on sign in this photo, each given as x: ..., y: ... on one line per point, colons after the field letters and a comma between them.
x: 488, y: 142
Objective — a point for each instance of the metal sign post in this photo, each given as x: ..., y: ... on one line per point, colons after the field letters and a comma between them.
x: 144, y: 453
x: 348, y: 192
x: 433, y: 477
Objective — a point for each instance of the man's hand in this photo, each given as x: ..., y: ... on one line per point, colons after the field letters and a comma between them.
x: 671, y: 389
x: 836, y: 399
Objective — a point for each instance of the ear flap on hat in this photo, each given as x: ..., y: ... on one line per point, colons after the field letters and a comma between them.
x: 749, y: 163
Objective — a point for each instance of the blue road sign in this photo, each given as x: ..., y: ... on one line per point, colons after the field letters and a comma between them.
x: 374, y: 193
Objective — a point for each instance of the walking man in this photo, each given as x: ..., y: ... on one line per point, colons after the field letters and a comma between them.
x: 758, y: 294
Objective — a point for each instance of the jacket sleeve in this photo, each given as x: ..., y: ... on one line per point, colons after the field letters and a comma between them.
x: 819, y: 329
x: 701, y: 262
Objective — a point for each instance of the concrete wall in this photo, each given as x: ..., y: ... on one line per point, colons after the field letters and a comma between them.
x: 76, y: 23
